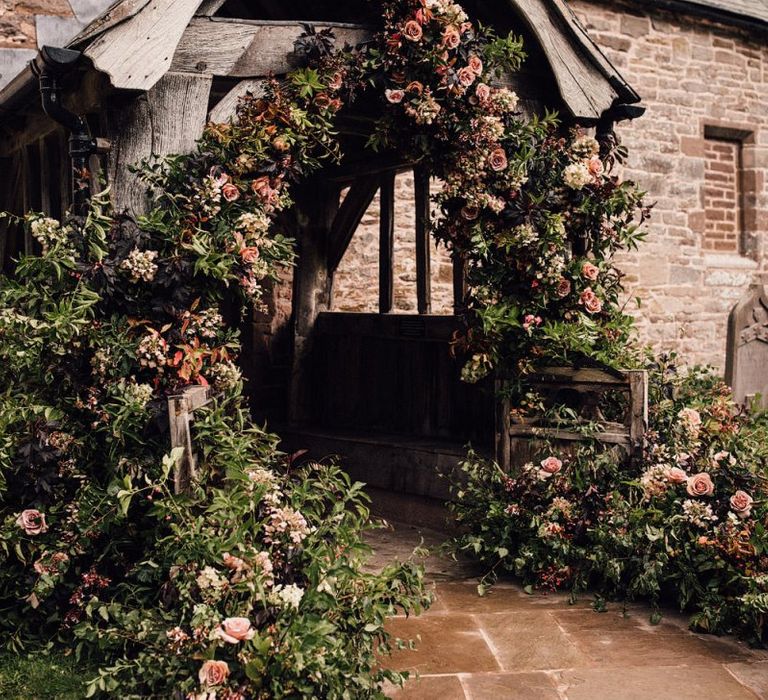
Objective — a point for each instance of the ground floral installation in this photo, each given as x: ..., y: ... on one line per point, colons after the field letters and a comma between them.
x: 685, y: 526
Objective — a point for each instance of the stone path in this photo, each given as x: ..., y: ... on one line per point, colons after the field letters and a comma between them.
x: 512, y: 645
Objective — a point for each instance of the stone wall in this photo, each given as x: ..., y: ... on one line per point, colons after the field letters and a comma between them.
x: 701, y: 152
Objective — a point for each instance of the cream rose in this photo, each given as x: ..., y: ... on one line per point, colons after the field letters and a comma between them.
x: 32, y: 521
x: 235, y: 629
x: 466, y: 76
x: 590, y: 271
x: 412, y: 30
x: 675, y: 475
x: 394, y: 96
x: 700, y: 485
x: 483, y: 92
x: 595, y: 166
x: 213, y: 673
x: 549, y: 467
x: 741, y: 504
x: 498, y: 160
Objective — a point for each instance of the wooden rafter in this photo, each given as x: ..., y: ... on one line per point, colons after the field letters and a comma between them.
x: 348, y: 218
x: 247, y: 48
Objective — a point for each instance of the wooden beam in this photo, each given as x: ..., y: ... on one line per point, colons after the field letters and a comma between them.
x: 423, y: 242
x: 208, y: 8
x: 138, y: 52
x: 243, y: 49
x: 386, y: 243
x: 226, y: 108
x: 315, y: 211
x: 352, y: 170
x: 348, y: 218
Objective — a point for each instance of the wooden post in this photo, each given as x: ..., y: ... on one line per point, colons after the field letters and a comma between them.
x: 502, y: 446
x: 387, y: 243
x: 180, y: 415
x: 316, y: 208
x: 423, y: 242
x: 638, y: 411
x: 459, y: 284
x: 168, y: 119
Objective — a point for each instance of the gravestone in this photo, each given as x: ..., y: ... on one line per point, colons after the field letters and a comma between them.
x: 746, y: 363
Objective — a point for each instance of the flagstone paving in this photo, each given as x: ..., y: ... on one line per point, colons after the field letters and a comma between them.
x: 508, y: 644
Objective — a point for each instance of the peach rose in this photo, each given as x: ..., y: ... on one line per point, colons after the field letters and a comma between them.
x: 466, y: 76
x: 483, y: 92
x: 263, y: 189
x: 675, y: 475
x: 700, y: 485
x: 590, y: 271
x: 741, y: 504
x: 563, y: 287
x: 549, y: 467
x: 336, y: 81
x: 32, y: 522
x: 470, y: 213
x: 235, y: 629
x: 394, y: 96
x: 595, y: 166
x: 498, y: 159
x: 591, y: 301
x: 213, y: 673
x: 322, y: 100
x: 415, y: 86
x: 230, y: 192
x: 475, y: 63
x: 412, y: 30
x: 451, y: 37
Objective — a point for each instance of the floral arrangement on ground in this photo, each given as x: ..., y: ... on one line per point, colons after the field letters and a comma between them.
x: 684, y: 525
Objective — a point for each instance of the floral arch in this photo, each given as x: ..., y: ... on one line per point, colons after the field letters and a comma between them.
x: 248, y: 584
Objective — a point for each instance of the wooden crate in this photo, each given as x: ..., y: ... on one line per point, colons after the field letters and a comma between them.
x: 516, y: 442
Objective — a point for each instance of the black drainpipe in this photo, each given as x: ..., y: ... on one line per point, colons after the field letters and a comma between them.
x: 50, y: 66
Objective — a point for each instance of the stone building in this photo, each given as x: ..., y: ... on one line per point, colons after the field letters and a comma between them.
x: 701, y: 151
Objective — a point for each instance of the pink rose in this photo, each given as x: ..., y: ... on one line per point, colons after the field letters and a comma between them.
x: 595, y: 166
x: 483, y: 92
x: 466, y: 76
x: 412, y: 30
x: 394, y: 96
x: 590, y: 271
x: 700, y: 485
x: 591, y: 301
x: 675, y: 475
x: 469, y: 212
x: 263, y: 189
x: 451, y: 37
x: 32, y: 522
x: 218, y: 175
x: 235, y: 629
x: 549, y: 467
x: 498, y: 159
x: 475, y: 64
x: 230, y: 192
x: 563, y: 287
x: 741, y: 504
x: 213, y: 673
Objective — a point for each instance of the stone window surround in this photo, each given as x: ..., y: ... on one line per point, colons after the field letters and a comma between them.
x: 746, y: 136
